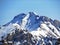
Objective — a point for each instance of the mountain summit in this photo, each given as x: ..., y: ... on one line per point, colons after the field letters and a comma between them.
x: 42, y: 30
x: 33, y: 20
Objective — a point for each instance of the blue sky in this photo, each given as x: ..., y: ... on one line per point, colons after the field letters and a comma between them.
x: 11, y: 8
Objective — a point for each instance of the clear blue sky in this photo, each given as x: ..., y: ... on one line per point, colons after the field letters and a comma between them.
x: 10, y: 8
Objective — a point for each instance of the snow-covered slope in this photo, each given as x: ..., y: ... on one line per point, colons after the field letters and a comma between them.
x: 40, y: 27
x: 46, y: 30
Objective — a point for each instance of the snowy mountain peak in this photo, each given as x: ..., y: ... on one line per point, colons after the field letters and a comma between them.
x: 32, y: 13
x: 40, y: 28
x: 32, y: 21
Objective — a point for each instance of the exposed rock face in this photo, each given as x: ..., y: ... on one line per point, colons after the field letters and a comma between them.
x: 24, y: 38
x: 58, y: 42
